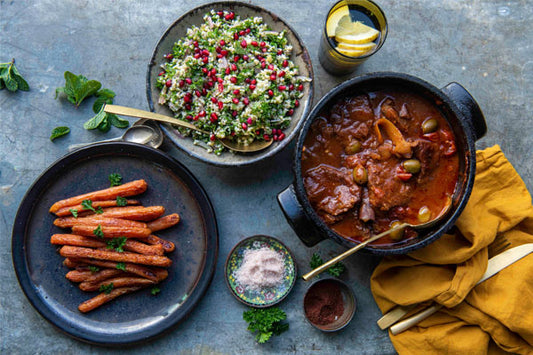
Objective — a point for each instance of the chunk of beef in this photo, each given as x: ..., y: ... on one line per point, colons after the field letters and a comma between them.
x: 428, y: 154
x: 385, y: 190
x: 331, y: 190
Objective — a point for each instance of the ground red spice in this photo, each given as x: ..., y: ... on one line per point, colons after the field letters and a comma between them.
x: 323, y: 304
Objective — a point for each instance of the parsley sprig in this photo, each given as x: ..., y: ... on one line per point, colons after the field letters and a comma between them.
x: 266, y: 322
x: 10, y: 77
x: 107, y: 288
x: 117, y: 244
x: 88, y: 205
x: 335, y: 270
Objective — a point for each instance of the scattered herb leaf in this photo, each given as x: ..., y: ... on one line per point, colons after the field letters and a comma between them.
x: 266, y: 322
x: 115, y: 179
x: 88, y: 205
x: 121, y: 266
x: 106, y: 288
x: 94, y: 268
x: 78, y: 87
x: 10, y: 77
x: 59, y: 132
x: 103, y: 121
x: 121, y: 201
x: 104, y: 96
x: 335, y: 270
x: 155, y: 290
x: 117, y: 244
x: 74, y: 212
x: 98, y: 232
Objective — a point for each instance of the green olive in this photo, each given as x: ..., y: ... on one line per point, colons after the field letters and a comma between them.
x: 397, y: 234
x: 353, y: 147
x: 430, y: 125
x: 360, y: 175
x: 424, y: 214
x: 412, y: 166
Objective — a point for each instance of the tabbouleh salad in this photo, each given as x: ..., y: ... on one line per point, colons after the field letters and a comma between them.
x: 232, y: 78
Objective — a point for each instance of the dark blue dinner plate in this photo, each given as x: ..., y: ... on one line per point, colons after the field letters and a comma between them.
x: 135, y: 317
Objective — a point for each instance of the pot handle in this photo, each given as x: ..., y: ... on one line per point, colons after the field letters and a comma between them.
x: 468, y: 106
x: 296, y: 218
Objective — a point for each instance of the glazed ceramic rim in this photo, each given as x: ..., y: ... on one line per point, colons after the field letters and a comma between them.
x: 253, y: 157
x: 269, y: 239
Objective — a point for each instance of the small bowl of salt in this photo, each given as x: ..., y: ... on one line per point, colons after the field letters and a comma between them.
x: 260, y: 271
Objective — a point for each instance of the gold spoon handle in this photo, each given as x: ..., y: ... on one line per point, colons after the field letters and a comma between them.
x: 133, y: 112
x: 349, y: 252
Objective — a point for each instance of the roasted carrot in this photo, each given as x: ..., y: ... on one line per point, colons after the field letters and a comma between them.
x: 111, y: 232
x: 76, y: 240
x: 71, y: 263
x: 126, y: 257
x: 141, y: 248
x: 105, y: 274
x: 78, y: 276
x: 122, y: 281
x: 103, y: 298
x: 155, y: 274
x: 67, y: 211
x: 67, y: 222
x: 164, y: 222
x: 125, y: 190
x: 137, y: 213
x: 167, y: 246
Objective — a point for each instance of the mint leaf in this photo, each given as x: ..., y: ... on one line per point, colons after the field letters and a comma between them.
x: 104, y: 96
x: 10, y: 77
x: 96, y: 121
x: 59, y: 132
x: 117, y: 121
x: 78, y: 87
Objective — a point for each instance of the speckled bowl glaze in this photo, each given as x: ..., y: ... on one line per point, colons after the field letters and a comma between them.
x: 300, y: 57
x: 465, y: 119
x: 268, y: 296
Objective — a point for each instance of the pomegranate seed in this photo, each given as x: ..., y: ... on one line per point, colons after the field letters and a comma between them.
x: 168, y: 83
x: 232, y: 15
x: 210, y: 84
x: 169, y: 56
x: 296, y: 103
x: 220, y: 87
x: 236, y: 92
x: 196, y: 50
x: 188, y: 107
x: 257, y: 133
x: 290, y: 113
x: 244, y: 126
x: 161, y: 73
x: 204, y: 92
x: 236, y: 58
x: 245, y: 58
x: 220, y: 13
x: 205, y: 60
x: 181, y: 83
x: 249, y: 120
x: 241, y: 33
x: 188, y: 81
x: 273, y: 77
x: 187, y: 98
x: 235, y: 100
x: 245, y: 101
x: 235, y: 36
x: 205, y: 52
x: 266, y: 137
x: 219, y: 56
x: 291, y: 87
x: 232, y: 134
x: 254, y: 43
x: 228, y: 70
x: 248, y: 30
x: 233, y: 79
x: 189, y: 117
x: 270, y: 93
x: 285, y: 63
x: 227, y: 17
x: 214, y: 117
x: 220, y: 80
x: 281, y: 136
x: 234, y: 113
x: 300, y: 87
x: 275, y: 137
x: 262, y: 44
x: 252, y: 87
x: 195, y: 43
x: 280, y: 52
x: 281, y: 74
x: 214, y: 100
x: 281, y: 87
x: 224, y: 52
x: 198, y: 93
x: 270, y: 67
x: 220, y: 105
x: 201, y: 113
x: 213, y: 71
x: 218, y: 49
x: 212, y: 137
x: 254, y: 81
x: 263, y: 65
x: 259, y: 57
x: 204, y: 70
x: 234, y: 67
x: 263, y: 50
x: 222, y: 42
x: 247, y: 80
x: 243, y: 43
x: 196, y: 56
x: 195, y: 118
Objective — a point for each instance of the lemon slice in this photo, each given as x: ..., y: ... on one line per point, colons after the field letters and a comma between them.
x: 352, y: 52
x: 334, y: 19
x: 354, y: 32
x: 357, y: 47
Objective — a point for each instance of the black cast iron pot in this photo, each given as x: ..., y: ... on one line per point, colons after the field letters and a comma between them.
x: 468, y: 125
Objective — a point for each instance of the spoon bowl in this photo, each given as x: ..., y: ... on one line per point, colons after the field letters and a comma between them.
x: 133, y: 112
x: 140, y: 134
x: 359, y: 246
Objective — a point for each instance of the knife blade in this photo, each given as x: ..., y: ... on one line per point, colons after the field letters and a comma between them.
x: 495, y: 265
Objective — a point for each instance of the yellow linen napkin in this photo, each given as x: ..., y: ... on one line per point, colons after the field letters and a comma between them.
x: 497, y: 315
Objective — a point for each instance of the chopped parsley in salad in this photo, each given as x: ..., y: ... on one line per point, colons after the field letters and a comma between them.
x: 232, y: 78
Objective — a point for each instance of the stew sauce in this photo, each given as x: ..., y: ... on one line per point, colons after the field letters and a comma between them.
x: 378, y: 159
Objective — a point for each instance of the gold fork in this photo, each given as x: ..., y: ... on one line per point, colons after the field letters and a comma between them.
x: 499, y: 244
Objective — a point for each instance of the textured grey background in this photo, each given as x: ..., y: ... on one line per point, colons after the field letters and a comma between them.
x: 483, y: 44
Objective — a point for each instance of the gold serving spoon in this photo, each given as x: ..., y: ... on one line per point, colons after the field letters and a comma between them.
x: 398, y: 227
x: 133, y: 112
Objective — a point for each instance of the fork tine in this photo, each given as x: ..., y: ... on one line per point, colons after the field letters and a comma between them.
x: 499, y: 244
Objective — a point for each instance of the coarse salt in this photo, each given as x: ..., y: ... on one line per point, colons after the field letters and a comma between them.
x: 261, y: 268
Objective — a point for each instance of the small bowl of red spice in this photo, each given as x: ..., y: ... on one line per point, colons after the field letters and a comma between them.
x: 329, y: 304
